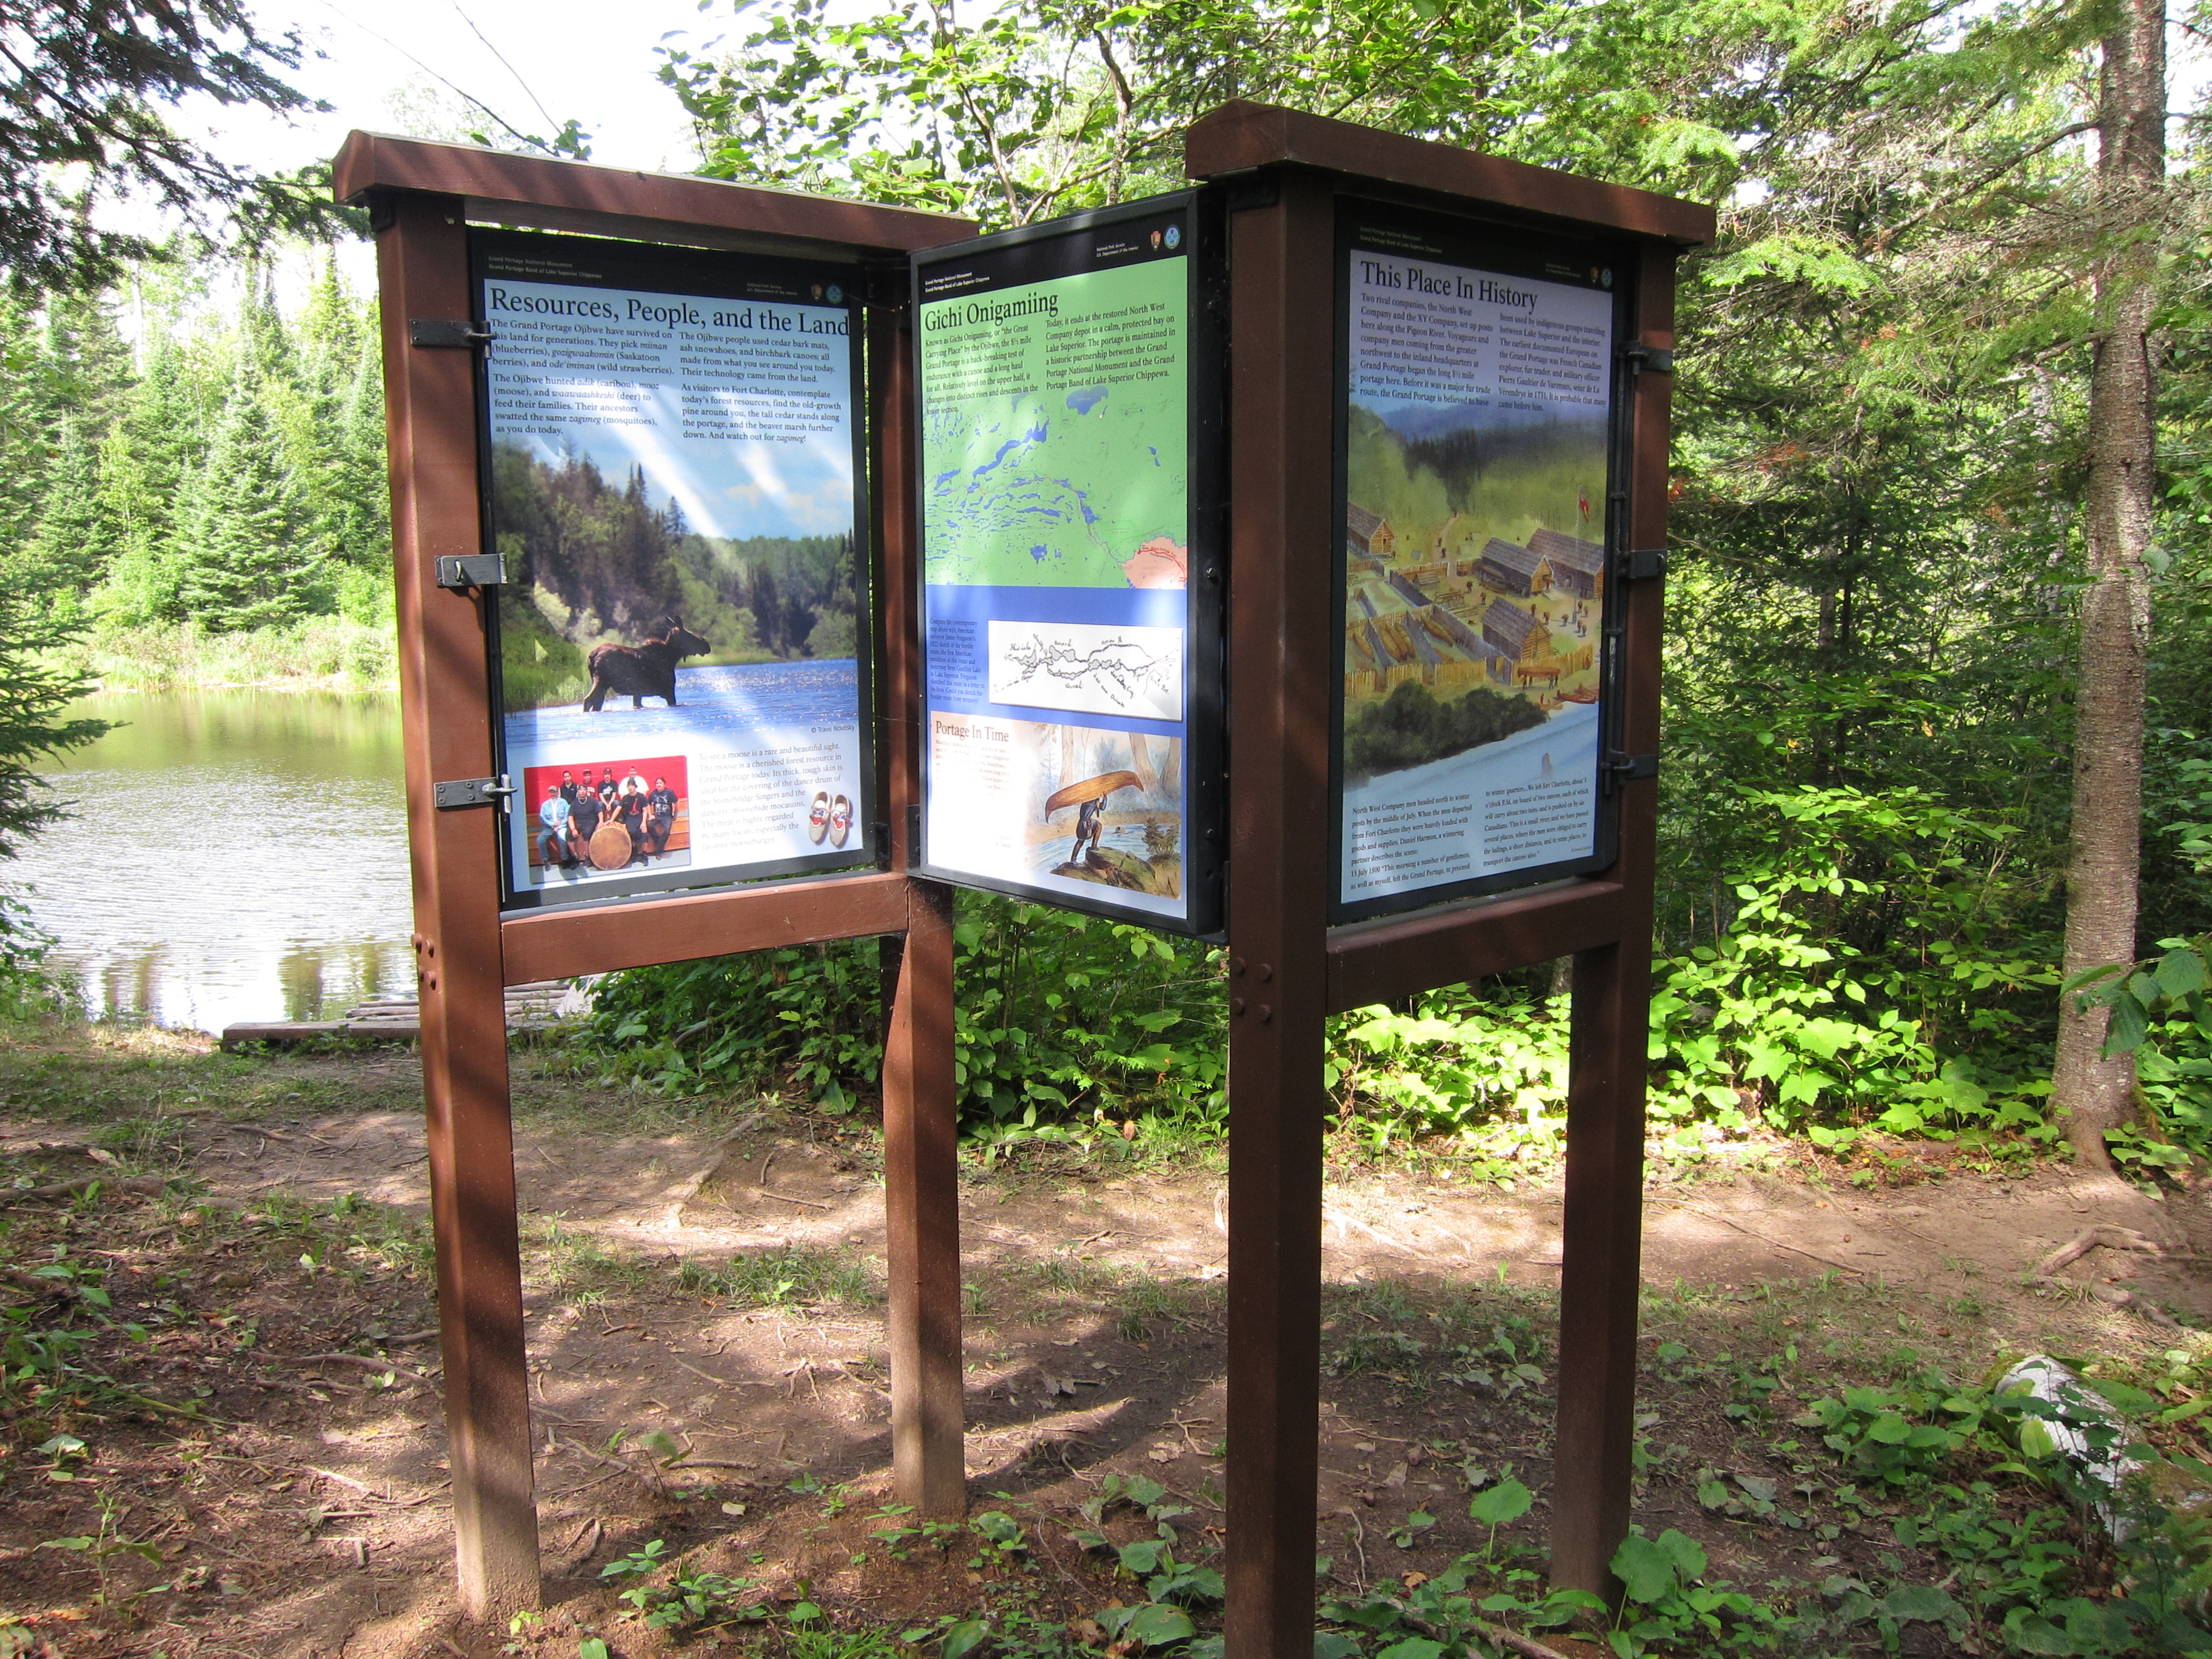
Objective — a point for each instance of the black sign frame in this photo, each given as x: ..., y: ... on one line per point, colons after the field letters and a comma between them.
x: 1474, y: 241
x: 1028, y: 254
x: 708, y: 274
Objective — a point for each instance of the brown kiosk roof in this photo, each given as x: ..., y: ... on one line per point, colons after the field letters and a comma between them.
x: 573, y: 196
x: 1242, y: 135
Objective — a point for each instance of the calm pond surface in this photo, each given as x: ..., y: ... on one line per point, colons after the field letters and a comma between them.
x: 234, y: 855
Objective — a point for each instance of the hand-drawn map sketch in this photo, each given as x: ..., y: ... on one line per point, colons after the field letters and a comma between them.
x: 1087, y: 668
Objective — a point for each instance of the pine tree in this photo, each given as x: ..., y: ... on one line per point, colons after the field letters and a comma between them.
x: 74, y: 541
x: 331, y: 340
x: 247, y: 563
x: 155, y: 448
x: 359, y: 532
x: 87, y: 365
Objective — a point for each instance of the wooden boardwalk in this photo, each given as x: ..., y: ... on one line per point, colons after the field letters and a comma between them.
x: 534, y: 1007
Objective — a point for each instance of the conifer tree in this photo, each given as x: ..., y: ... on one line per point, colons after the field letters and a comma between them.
x: 74, y: 541
x: 361, y: 514
x: 247, y: 561
x: 152, y: 454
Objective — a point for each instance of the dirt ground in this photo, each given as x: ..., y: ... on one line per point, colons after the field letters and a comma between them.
x: 708, y: 1355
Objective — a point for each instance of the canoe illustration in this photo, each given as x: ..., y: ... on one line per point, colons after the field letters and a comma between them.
x: 1096, y: 788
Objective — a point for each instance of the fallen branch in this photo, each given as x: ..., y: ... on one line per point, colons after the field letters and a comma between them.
x: 1526, y: 1645
x: 811, y: 1204
x: 2044, y: 1273
x: 648, y: 1474
x: 368, y: 1491
x: 39, y: 1284
x: 367, y: 1363
x: 146, y: 1184
x: 2112, y: 1238
x: 1754, y: 1232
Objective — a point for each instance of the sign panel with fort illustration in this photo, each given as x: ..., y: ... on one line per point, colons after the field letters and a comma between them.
x: 673, y: 449
x: 1477, y: 444
x: 1071, y: 564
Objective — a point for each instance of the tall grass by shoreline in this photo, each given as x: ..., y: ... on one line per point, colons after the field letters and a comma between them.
x: 318, y: 654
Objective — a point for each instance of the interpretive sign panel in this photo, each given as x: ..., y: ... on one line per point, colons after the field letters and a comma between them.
x: 1070, y: 558
x: 674, y: 477
x: 1476, y: 445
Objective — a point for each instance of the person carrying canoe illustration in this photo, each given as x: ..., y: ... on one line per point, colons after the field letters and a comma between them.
x: 1089, y: 799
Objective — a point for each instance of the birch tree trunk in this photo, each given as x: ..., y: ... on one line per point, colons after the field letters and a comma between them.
x: 2093, y: 1093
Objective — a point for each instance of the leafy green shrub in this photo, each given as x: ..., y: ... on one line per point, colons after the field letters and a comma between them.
x: 1898, y: 1436
x: 1059, y: 1017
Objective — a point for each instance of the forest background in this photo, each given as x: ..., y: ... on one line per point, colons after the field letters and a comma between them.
x: 1881, y: 543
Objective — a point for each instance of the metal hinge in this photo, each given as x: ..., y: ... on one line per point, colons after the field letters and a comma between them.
x: 431, y: 333
x: 471, y: 792
x: 1641, y: 564
x: 471, y: 570
x: 1660, y: 360
x: 1624, y: 767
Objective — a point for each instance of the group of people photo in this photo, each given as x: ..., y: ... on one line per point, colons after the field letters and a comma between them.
x: 608, y: 816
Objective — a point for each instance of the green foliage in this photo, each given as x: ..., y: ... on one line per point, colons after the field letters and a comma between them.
x: 1897, y: 1437
x: 1058, y: 1019
x: 688, y: 1598
x: 226, y: 485
x: 794, y: 1276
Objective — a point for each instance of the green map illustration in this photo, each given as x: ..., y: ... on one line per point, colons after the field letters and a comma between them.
x: 1054, y: 442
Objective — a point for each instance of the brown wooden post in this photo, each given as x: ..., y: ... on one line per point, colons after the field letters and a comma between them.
x: 1600, y: 1274
x: 922, y: 1215
x: 922, y: 1171
x: 1279, y: 548
x: 446, y: 711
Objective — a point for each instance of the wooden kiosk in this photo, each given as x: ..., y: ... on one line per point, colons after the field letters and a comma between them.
x: 422, y: 199
x: 1280, y: 184
x: 1289, y: 175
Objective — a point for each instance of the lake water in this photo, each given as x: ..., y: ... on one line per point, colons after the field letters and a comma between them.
x: 234, y: 855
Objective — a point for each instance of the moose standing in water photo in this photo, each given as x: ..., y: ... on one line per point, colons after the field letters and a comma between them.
x: 639, y: 672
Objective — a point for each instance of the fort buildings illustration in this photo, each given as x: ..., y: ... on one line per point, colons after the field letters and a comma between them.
x: 1519, y: 617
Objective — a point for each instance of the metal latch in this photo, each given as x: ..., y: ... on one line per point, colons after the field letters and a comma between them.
x: 1660, y: 360
x: 1641, y: 564
x: 434, y: 334
x: 1626, y: 767
x: 471, y: 570
x: 471, y: 792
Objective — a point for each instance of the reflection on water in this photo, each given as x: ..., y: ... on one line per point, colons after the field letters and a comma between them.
x: 235, y: 855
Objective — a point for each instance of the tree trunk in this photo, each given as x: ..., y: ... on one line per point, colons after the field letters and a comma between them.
x: 2095, y: 1094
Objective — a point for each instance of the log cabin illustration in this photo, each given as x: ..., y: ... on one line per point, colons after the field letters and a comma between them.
x: 1570, y: 562
x: 1453, y: 622
x: 1368, y: 533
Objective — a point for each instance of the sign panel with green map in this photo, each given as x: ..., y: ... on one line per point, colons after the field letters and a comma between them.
x: 1069, y: 386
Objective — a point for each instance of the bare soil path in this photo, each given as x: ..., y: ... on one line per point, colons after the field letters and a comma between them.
x: 708, y: 1350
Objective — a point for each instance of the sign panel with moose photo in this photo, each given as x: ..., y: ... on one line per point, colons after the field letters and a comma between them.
x: 672, y: 445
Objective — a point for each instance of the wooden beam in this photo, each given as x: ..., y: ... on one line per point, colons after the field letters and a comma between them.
x: 1281, y: 428
x: 1382, y: 960
x: 1241, y: 136
x: 445, y: 718
x: 561, y: 943
x: 1599, y: 1283
x: 530, y: 189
